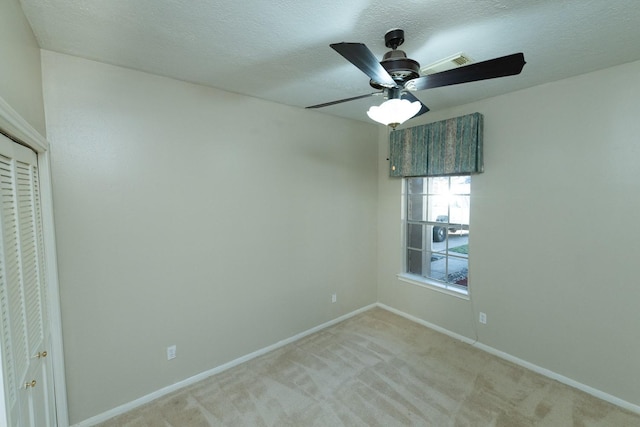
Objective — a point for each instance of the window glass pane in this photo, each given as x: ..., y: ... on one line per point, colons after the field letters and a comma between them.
x: 416, y: 185
x: 440, y: 247
x: 415, y: 236
x: 438, y: 208
x: 438, y: 185
x: 414, y: 262
x: 460, y: 185
x: 458, y: 270
x: 416, y: 208
x: 459, y: 209
x: 458, y: 258
x: 438, y: 236
x: 438, y: 267
x: 459, y: 245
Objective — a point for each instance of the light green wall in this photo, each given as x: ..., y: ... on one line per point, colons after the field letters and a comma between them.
x: 20, y: 72
x: 555, y: 231
x: 191, y: 216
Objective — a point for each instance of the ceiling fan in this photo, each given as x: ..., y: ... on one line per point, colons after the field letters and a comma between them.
x: 396, y: 76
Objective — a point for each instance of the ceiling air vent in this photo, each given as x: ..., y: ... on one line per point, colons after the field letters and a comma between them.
x: 449, y: 63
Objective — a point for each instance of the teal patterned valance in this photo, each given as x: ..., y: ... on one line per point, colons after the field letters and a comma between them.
x: 447, y: 147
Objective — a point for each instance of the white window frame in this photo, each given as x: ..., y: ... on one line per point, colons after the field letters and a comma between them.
x: 419, y: 280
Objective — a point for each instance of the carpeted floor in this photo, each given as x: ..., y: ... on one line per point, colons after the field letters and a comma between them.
x: 377, y: 369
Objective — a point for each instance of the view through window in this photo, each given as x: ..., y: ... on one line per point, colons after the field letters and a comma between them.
x: 437, y: 230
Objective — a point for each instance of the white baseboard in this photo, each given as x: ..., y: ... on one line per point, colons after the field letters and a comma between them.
x: 506, y: 356
x: 427, y: 324
x: 194, y: 379
x: 199, y: 377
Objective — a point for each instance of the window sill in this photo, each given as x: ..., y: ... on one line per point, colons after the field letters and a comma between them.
x: 433, y: 285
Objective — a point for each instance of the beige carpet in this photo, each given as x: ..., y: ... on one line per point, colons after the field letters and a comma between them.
x: 377, y: 369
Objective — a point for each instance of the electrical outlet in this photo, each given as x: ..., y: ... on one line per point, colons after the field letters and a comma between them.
x: 171, y: 352
x: 483, y: 318
x: 334, y: 298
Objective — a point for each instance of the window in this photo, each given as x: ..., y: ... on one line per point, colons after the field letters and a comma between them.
x: 437, y: 231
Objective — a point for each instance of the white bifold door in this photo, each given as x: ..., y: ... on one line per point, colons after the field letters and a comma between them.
x: 24, y: 327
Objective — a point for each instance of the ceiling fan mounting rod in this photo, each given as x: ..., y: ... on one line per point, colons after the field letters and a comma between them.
x: 394, y: 38
x: 393, y: 93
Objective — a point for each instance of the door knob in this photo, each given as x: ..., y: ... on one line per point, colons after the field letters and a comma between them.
x: 41, y: 354
x: 31, y: 384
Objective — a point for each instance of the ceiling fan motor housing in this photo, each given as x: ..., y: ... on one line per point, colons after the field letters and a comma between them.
x: 399, y: 67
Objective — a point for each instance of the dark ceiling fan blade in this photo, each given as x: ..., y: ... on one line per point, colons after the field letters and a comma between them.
x: 360, y: 56
x: 326, y: 104
x: 499, y: 67
x: 411, y: 97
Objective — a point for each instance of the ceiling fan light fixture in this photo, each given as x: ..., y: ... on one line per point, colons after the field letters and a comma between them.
x: 394, y: 112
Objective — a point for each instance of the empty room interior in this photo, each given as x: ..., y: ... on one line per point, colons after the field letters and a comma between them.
x: 210, y: 246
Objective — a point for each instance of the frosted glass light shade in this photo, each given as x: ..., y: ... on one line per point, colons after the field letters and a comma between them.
x: 394, y: 112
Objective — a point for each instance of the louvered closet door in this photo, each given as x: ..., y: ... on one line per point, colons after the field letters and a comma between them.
x: 25, y: 334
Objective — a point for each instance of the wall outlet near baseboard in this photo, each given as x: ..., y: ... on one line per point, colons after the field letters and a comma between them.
x: 483, y: 318
x: 171, y: 352
x: 334, y: 298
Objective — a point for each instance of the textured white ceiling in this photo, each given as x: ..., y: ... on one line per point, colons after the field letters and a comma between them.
x: 279, y: 50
